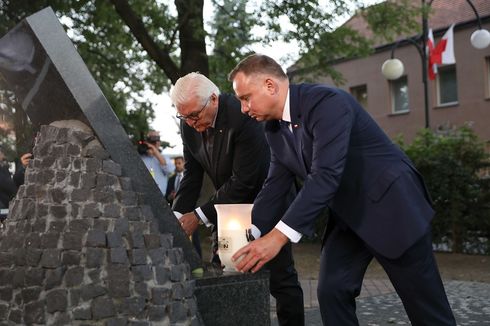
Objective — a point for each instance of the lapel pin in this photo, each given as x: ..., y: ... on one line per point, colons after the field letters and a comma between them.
x: 295, y: 126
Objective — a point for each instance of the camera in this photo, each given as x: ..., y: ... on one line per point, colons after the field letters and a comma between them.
x: 143, y: 147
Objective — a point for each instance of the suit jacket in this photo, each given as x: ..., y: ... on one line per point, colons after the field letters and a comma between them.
x: 170, y: 187
x: 239, y: 164
x: 349, y: 165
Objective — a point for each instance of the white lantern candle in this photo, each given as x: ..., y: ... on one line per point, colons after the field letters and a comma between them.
x: 233, y: 222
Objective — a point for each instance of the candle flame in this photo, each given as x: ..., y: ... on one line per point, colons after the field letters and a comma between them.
x: 234, y: 225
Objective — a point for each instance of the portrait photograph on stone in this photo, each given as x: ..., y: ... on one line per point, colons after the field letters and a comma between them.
x: 88, y: 238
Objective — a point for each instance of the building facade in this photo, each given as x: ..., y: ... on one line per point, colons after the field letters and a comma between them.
x: 460, y: 93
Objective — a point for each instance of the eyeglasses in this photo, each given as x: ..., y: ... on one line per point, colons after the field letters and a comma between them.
x: 194, y: 116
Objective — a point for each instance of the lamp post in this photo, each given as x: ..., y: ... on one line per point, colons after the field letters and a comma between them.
x: 393, y: 68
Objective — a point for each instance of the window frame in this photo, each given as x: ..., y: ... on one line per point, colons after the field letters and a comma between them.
x: 438, y: 86
x: 353, y: 91
x: 392, y: 96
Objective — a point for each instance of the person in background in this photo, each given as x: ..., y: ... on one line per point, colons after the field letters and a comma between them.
x: 159, y: 166
x: 378, y: 201
x: 173, y: 186
x: 7, y: 186
x: 20, y: 171
x: 231, y: 149
x: 174, y: 180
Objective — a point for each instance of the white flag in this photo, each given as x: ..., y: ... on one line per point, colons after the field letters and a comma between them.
x: 448, y: 53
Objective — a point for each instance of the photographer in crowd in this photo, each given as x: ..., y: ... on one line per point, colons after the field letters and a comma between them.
x: 159, y: 166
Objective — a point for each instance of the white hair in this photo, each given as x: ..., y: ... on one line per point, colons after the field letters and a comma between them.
x: 192, y: 84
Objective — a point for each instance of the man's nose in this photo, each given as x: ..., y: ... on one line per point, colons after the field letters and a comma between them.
x: 245, y: 108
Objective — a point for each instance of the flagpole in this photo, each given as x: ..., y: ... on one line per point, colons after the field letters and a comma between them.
x: 423, y: 53
x: 393, y: 68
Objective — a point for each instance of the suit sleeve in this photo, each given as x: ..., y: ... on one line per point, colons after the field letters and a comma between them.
x: 190, y: 185
x: 250, y: 161
x: 329, y: 122
x: 274, y: 198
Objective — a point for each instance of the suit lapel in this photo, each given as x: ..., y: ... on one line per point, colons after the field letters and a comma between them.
x: 221, y: 128
x: 297, y: 125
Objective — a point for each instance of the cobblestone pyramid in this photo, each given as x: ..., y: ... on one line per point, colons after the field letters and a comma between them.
x: 79, y: 247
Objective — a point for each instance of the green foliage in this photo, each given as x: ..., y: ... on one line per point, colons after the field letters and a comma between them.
x: 384, y: 19
x: 452, y: 162
x: 135, y: 46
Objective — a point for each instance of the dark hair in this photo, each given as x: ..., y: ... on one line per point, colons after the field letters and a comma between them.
x: 179, y: 158
x: 258, y: 63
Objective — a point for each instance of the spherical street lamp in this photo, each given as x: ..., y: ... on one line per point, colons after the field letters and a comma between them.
x: 480, y: 38
x: 392, y: 69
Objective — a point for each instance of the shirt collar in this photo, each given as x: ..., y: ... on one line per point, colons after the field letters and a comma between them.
x: 286, y: 112
x: 213, y: 125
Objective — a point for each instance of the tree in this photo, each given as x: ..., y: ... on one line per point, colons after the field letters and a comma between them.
x: 132, y: 46
x: 452, y: 161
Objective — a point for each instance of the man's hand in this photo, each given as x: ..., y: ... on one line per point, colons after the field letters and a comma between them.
x: 152, y: 149
x: 258, y: 252
x: 189, y: 223
x: 24, y: 159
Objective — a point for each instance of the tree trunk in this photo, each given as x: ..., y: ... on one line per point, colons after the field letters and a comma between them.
x: 138, y: 29
x: 192, y: 37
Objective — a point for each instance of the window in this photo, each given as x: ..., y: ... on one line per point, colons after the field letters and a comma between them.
x: 447, y: 86
x: 360, y: 94
x: 399, y: 95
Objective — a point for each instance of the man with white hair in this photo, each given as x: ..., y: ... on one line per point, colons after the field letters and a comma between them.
x: 231, y: 149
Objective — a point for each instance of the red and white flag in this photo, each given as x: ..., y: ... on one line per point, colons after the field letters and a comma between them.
x: 442, y: 53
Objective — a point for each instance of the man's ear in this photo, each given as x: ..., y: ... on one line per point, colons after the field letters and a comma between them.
x: 271, y: 86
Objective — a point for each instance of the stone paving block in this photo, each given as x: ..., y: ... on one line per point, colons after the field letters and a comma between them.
x: 74, y: 276
x: 30, y: 294
x: 111, y: 167
x: 102, y: 307
x: 156, y: 313
x: 56, y: 300
x: 91, y: 291
x: 51, y: 258
x: 15, y: 316
x: 34, y: 276
x: 82, y: 313
x: 54, y: 277
x: 34, y: 313
x: 50, y: 240
x: 138, y: 256
x: 95, y: 257
x: 161, y: 295
x: 6, y: 294
x: 70, y: 257
x: 178, y: 312
x: 142, y: 273
x: 111, y: 210
x: 119, y: 256
x: 96, y: 238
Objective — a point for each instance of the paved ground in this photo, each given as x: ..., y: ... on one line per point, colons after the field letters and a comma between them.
x: 379, y: 305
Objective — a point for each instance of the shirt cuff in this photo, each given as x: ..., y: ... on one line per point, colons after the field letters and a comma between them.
x: 255, y: 232
x: 203, y: 217
x: 293, y: 235
x: 178, y: 215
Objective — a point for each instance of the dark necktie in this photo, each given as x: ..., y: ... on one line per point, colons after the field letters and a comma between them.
x: 208, y: 142
x: 286, y: 131
x: 178, y: 177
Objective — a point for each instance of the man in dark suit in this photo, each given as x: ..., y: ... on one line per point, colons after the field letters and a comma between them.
x: 175, y: 179
x: 378, y: 201
x: 231, y: 149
